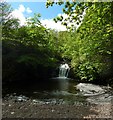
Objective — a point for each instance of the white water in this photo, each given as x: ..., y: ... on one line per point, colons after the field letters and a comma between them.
x: 64, y: 70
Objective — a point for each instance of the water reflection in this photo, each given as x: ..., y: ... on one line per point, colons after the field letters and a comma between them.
x: 52, y: 89
x: 63, y: 91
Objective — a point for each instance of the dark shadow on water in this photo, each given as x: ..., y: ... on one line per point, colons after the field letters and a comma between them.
x: 50, y: 88
x: 58, y: 91
x: 54, y: 88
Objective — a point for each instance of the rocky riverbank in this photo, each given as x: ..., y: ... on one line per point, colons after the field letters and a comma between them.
x: 23, y: 107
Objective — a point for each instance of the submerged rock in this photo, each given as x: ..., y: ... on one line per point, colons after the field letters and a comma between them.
x: 64, y: 93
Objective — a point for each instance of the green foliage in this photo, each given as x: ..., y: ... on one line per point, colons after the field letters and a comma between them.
x: 73, y: 10
x: 87, y: 71
x: 5, y: 9
x: 90, y: 47
x: 32, y: 51
x: 29, y: 52
x: 94, y: 42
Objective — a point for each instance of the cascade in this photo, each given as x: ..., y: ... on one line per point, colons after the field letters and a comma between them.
x: 64, y: 70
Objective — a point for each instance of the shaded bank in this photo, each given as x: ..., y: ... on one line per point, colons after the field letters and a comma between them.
x: 34, y: 110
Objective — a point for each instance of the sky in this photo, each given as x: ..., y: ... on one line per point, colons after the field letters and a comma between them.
x: 23, y: 10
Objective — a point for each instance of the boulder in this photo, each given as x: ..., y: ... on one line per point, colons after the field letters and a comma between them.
x: 89, y: 89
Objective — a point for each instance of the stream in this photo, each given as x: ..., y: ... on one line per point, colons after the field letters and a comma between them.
x: 58, y: 91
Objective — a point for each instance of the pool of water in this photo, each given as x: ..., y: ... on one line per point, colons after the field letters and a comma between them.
x: 56, y: 90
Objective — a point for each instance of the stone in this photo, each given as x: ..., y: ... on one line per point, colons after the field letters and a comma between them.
x: 12, y: 113
x: 89, y: 89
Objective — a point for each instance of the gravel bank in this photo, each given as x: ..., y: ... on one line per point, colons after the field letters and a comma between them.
x: 33, y: 109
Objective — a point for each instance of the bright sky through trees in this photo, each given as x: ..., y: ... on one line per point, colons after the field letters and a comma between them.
x: 23, y: 10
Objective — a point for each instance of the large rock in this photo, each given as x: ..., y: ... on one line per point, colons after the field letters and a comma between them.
x: 89, y: 89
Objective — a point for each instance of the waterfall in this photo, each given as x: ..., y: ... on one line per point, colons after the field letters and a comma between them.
x: 64, y: 70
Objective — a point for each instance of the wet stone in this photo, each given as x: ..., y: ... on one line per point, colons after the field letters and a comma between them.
x: 12, y: 113
x: 20, y: 98
x: 35, y: 101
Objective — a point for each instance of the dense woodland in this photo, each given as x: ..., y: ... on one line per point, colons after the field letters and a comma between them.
x: 33, y: 52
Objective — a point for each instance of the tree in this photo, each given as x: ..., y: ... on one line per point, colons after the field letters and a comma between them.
x: 73, y: 10
x: 93, y: 39
x: 96, y: 33
x: 28, y: 51
x: 8, y: 23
